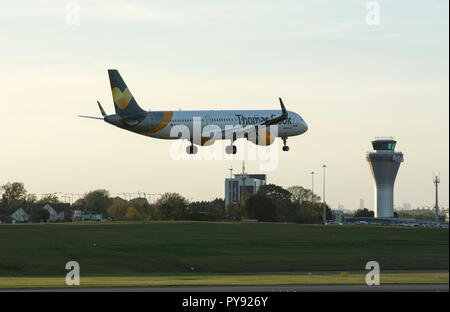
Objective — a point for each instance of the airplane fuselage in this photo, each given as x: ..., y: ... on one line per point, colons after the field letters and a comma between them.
x: 160, y: 124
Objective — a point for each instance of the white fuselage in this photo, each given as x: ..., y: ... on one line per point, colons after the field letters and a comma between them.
x: 293, y: 125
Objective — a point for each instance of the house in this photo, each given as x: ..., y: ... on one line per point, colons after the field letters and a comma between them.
x: 14, y: 214
x: 77, y: 214
x: 57, y: 211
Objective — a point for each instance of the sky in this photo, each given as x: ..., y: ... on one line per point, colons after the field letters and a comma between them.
x: 350, y: 74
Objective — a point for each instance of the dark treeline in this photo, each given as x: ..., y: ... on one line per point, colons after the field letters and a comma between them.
x: 271, y: 203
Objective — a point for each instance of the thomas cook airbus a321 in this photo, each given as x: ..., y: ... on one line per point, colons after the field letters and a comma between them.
x: 229, y: 124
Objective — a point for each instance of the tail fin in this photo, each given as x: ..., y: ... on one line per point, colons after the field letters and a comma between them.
x: 124, y: 102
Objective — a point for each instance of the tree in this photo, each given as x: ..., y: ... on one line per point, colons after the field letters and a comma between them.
x: 237, y: 211
x: 38, y: 214
x: 98, y: 201
x: 260, y: 207
x: 49, y: 198
x: 31, y: 198
x: 364, y: 213
x: 301, y: 194
x: 118, y: 209
x: 171, y: 206
x: 207, y: 210
x: 281, y: 198
x: 14, y: 193
x: 133, y: 214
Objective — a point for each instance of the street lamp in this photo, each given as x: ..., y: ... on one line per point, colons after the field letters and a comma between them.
x: 312, y: 186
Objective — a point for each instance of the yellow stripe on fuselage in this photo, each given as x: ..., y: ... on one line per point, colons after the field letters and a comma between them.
x: 167, y: 117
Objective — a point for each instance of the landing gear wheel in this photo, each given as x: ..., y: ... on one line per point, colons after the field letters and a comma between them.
x: 191, y: 149
x: 285, y: 147
x: 231, y: 149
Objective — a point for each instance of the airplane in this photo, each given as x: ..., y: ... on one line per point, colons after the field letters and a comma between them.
x: 228, y: 124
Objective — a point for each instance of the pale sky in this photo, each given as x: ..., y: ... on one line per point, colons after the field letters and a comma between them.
x: 349, y: 80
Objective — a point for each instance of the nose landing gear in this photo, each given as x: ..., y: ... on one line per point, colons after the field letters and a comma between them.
x: 285, y: 147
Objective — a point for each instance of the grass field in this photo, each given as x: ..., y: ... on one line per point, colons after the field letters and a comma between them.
x: 201, y: 279
x: 117, y: 251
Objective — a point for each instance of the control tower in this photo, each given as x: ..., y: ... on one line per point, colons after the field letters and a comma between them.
x: 384, y: 163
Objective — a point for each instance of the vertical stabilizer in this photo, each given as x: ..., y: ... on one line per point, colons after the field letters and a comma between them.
x: 124, y: 102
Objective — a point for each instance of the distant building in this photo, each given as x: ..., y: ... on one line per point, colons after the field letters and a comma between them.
x: 361, y: 204
x: 57, y: 211
x: 13, y: 215
x: 79, y: 214
x: 20, y: 215
x: 406, y: 206
x: 339, y: 215
x: 92, y: 216
x: 236, y: 187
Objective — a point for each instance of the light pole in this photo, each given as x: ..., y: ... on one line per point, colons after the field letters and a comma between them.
x: 312, y: 186
x: 324, y: 202
x: 436, y: 181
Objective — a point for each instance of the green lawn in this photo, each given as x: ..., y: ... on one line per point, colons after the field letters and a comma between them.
x: 145, y: 248
x: 201, y: 279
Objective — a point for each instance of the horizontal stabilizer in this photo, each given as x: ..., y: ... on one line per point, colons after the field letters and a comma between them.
x: 90, y: 117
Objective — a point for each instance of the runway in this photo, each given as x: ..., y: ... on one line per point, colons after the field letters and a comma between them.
x: 255, y: 289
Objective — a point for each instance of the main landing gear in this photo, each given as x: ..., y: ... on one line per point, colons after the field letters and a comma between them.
x: 285, y: 147
x: 191, y: 149
x: 231, y: 149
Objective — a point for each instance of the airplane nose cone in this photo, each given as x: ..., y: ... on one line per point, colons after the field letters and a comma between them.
x: 305, y: 126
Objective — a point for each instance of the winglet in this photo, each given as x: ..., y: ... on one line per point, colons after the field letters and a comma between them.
x: 101, y: 109
x: 283, y: 108
x: 282, y: 117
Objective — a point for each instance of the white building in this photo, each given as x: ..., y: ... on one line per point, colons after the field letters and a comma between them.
x: 20, y: 215
x: 406, y: 206
x: 235, y: 190
x: 56, y: 211
x: 361, y: 204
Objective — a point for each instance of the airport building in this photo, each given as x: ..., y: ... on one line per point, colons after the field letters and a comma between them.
x: 384, y: 163
x: 241, y: 186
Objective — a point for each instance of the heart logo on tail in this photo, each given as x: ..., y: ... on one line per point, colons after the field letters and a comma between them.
x: 122, y: 99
